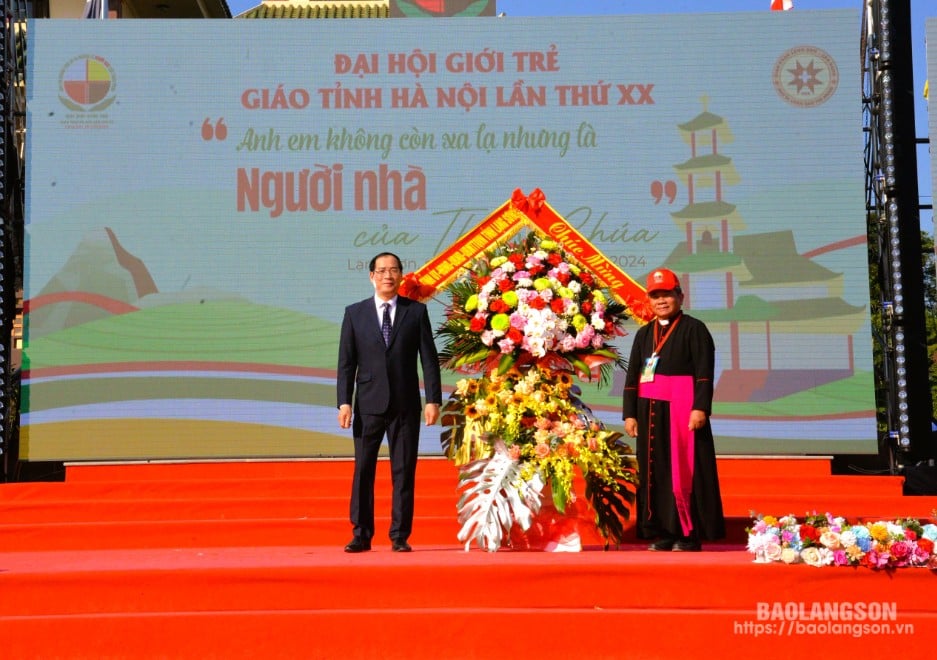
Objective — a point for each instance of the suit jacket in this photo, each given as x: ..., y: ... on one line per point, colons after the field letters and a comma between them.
x: 386, y: 377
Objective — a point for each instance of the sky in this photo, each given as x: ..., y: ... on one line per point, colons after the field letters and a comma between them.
x: 920, y: 9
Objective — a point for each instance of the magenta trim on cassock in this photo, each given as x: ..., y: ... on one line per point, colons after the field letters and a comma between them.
x: 678, y: 390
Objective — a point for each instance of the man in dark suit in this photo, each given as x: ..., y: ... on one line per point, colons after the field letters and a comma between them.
x: 382, y: 339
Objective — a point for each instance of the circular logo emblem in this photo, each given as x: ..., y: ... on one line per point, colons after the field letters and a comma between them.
x: 87, y: 83
x: 805, y: 76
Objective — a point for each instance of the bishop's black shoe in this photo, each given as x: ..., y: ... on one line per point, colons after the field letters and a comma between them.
x: 659, y: 545
x: 358, y: 544
x: 687, y: 545
x: 401, y: 546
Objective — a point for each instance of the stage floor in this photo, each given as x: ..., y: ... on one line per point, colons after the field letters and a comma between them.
x: 246, y: 560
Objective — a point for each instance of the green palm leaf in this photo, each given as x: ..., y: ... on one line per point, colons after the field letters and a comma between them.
x: 612, y: 502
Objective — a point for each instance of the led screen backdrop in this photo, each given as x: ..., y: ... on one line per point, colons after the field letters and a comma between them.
x: 204, y: 197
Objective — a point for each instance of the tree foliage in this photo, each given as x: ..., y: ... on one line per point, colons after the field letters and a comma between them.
x: 928, y: 266
x: 930, y: 313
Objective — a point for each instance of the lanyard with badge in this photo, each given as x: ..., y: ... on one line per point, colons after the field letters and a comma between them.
x: 650, y: 364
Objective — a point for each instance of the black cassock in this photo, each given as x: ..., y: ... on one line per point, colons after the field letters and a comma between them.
x: 687, y: 351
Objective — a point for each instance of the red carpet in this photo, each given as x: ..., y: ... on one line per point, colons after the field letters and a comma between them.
x: 240, y: 560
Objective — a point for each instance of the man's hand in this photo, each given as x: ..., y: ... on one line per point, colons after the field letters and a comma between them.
x: 697, y: 420
x: 631, y: 427
x: 344, y: 416
x: 431, y: 413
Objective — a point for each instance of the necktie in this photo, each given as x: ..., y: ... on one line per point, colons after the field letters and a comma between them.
x: 385, y: 323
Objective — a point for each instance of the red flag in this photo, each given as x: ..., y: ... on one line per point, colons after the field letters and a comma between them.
x: 782, y: 5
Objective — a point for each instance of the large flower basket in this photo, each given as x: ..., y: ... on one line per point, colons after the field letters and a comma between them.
x: 529, y: 322
x: 552, y: 530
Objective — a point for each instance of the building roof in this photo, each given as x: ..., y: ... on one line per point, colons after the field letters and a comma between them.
x: 814, y: 315
x: 705, y: 211
x: 772, y: 259
x: 701, y: 122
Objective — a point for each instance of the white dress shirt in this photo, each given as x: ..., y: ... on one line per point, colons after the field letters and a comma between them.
x: 379, y: 302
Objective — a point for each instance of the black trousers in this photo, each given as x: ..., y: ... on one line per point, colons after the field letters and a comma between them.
x: 403, y: 438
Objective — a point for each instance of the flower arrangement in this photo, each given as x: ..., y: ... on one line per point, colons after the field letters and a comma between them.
x: 824, y: 540
x: 527, y: 319
x: 527, y: 303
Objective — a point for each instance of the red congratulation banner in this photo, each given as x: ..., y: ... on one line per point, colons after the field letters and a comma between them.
x: 531, y: 211
x: 444, y: 268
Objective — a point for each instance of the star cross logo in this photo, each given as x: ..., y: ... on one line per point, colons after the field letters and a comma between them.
x: 805, y: 76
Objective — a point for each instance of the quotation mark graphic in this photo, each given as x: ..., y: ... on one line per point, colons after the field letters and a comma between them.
x: 216, y: 131
x: 662, y: 189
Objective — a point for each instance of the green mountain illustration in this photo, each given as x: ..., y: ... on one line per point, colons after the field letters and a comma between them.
x: 103, y: 306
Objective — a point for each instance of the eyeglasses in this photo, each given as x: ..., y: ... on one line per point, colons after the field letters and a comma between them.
x: 386, y: 271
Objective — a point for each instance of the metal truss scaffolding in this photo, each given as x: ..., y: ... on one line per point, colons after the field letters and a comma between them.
x: 894, y: 227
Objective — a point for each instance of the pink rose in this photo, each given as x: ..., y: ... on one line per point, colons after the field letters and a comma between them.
x: 773, y: 551
x: 902, y: 552
x: 830, y: 540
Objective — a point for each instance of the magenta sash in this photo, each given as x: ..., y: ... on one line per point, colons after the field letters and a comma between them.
x: 678, y: 390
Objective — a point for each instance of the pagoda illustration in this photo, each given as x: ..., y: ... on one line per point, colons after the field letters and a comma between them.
x: 778, y: 318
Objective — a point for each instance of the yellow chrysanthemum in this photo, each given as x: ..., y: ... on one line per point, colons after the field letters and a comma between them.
x: 879, y: 532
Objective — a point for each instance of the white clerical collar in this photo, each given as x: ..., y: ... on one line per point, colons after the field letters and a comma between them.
x: 664, y: 321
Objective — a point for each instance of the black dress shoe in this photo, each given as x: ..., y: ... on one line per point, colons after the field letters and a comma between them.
x: 687, y: 545
x: 662, y: 544
x: 401, y: 546
x: 358, y: 545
